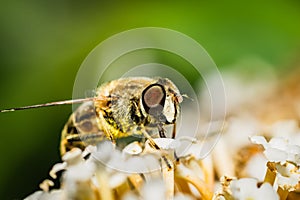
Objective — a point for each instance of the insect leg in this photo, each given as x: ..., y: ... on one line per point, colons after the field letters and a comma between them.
x: 161, y: 131
x: 162, y: 135
x: 154, y: 145
x: 81, y: 141
x: 174, y: 131
x: 173, y: 137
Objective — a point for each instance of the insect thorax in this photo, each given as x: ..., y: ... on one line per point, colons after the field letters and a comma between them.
x: 120, y: 112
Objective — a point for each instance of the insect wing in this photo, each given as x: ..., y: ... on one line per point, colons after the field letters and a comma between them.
x: 82, y: 129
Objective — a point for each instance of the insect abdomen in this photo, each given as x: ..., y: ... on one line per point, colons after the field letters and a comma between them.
x: 82, y: 129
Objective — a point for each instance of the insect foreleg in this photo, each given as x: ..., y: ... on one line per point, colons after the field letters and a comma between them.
x: 155, y: 146
x: 81, y: 141
x: 174, y: 131
x: 161, y: 131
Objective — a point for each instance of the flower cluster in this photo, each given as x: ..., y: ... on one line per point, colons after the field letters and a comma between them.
x: 105, y: 172
x: 245, y: 188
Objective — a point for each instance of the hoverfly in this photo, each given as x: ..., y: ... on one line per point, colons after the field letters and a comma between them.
x: 136, y: 107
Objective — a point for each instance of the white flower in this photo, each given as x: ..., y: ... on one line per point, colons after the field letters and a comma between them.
x: 108, y: 169
x: 73, y: 157
x: 133, y: 148
x: 80, y: 172
x: 246, y: 188
x: 142, y: 164
x: 285, y: 158
x: 105, y: 150
x: 288, y: 176
x: 183, y: 146
x: 41, y: 195
x: 278, y: 149
x: 167, y: 144
x: 132, y: 159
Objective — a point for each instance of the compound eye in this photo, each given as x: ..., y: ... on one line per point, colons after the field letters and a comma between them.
x: 153, y: 98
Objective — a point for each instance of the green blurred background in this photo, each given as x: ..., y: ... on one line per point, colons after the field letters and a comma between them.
x: 43, y: 44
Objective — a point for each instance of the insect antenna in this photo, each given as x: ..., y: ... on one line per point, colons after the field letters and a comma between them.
x: 64, y: 102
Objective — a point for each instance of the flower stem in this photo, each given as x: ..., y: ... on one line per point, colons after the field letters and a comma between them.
x: 282, y: 193
x: 168, y: 176
x: 201, y: 187
x: 270, y: 174
x: 104, y: 190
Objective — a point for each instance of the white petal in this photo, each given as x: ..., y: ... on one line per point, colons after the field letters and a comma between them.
x: 73, y: 157
x: 115, y: 161
x: 295, y: 149
x: 245, y: 187
x: 56, y: 168
x: 133, y: 148
x: 275, y: 155
x: 294, y: 154
x: 297, y: 159
x: 266, y: 191
x: 136, y: 165
x: 166, y: 143
x: 259, y: 140
x: 104, y: 151
x: 36, y: 195
x: 40, y: 195
x: 54, y: 195
x: 279, y: 143
x: 287, y: 182
x: 80, y: 172
x: 286, y: 177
